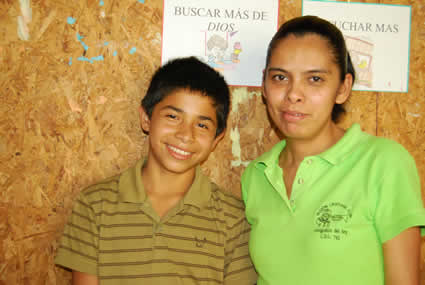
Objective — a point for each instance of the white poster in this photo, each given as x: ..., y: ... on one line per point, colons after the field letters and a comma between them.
x: 231, y: 36
x: 377, y: 37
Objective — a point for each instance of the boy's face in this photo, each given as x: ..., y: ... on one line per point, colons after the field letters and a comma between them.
x: 182, y: 131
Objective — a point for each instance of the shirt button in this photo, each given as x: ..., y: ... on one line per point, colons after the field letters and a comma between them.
x: 310, y: 161
x: 300, y: 181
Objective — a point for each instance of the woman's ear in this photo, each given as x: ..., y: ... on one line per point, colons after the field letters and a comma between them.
x: 145, y: 122
x: 263, y: 85
x: 344, y: 90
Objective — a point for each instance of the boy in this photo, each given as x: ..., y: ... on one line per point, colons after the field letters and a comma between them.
x: 162, y: 221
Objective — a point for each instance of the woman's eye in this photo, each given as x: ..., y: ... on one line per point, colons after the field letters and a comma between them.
x: 279, y: 77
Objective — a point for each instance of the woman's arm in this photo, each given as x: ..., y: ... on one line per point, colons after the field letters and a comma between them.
x: 402, y: 257
x: 81, y: 278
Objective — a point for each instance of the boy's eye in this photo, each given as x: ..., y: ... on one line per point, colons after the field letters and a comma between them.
x: 171, y: 116
x: 316, y: 79
x: 203, y: 126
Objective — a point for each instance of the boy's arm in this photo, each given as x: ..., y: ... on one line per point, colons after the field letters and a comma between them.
x: 238, y: 268
x: 79, y: 242
x: 81, y: 278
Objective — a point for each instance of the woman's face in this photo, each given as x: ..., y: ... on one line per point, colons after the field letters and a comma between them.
x: 301, y: 85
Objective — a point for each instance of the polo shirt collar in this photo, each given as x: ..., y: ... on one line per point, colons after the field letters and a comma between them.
x: 345, y: 146
x: 131, y: 187
x: 334, y: 155
x: 271, y: 157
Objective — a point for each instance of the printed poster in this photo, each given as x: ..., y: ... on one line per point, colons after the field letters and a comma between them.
x: 230, y: 36
x: 377, y: 37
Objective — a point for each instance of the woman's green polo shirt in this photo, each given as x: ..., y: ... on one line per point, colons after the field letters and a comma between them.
x: 345, y: 203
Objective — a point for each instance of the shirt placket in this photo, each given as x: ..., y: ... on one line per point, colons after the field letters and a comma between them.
x: 301, y: 182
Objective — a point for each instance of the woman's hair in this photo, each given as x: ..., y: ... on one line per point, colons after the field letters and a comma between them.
x: 304, y: 25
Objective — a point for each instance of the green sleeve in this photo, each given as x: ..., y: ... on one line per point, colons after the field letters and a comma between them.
x: 78, y: 248
x: 238, y: 268
x: 398, y: 202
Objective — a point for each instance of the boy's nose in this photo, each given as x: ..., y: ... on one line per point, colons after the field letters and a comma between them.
x: 185, y: 133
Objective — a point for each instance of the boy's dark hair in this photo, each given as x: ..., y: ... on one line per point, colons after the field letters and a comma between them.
x: 194, y: 75
x: 304, y: 25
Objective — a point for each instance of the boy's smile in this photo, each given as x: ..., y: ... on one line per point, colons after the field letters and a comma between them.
x: 182, y: 132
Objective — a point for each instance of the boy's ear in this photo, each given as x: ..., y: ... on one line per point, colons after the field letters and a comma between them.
x: 145, y: 122
x: 345, y: 89
x: 218, y: 139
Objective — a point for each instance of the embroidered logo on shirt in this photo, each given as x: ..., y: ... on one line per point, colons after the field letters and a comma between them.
x: 331, y: 220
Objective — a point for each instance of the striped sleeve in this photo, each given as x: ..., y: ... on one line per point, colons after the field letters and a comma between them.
x: 78, y: 249
x: 238, y: 266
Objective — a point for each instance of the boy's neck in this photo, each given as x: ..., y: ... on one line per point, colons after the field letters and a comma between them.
x: 165, y: 189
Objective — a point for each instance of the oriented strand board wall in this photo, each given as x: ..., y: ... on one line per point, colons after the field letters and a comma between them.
x: 66, y: 122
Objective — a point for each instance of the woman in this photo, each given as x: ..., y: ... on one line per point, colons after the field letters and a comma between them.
x: 327, y: 205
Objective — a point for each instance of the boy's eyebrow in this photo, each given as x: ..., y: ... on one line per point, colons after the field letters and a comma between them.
x: 178, y: 110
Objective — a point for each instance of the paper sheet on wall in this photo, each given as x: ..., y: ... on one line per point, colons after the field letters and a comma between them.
x: 377, y: 37
x: 231, y: 36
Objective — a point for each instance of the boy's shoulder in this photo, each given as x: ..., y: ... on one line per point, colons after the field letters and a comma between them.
x: 232, y: 206
x: 105, y: 188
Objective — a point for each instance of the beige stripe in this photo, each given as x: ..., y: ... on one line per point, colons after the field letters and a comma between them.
x: 77, y: 252
x: 205, y: 229
x: 161, y: 261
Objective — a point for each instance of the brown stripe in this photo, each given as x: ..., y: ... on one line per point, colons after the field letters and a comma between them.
x: 124, y: 237
x: 85, y: 205
x: 81, y: 229
x: 79, y: 240
x: 238, y: 271
x: 198, y: 279
x: 113, y: 251
x: 104, y: 201
x: 214, y: 209
x: 119, y: 213
x: 83, y: 217
x: 229, y: 195
x: 229, y: 204
x: 77, y: 252
x: 240, y: 258
x: 237, y: 246
x: 230, y: 215
x: 125, y: 225
x: 205, y: 218
x: 237, y: 224
x: 188, y: 239
x: 238, y: 236
x: 113, y: 191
